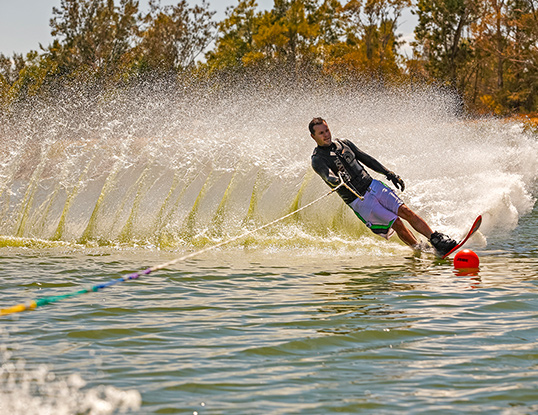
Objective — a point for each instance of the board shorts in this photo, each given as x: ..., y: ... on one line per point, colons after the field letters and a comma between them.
x: 379, y: 209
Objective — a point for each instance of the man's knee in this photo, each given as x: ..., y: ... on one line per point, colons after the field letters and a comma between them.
x: 398, y: 225
x: 405, y: 213
x: 415, y: 221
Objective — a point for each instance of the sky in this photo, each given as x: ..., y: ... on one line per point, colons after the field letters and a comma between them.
x: 24, y: 24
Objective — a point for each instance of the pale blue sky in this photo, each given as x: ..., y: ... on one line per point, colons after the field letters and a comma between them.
x: 25, y: 23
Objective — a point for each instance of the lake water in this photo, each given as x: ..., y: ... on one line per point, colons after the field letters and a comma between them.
x: 312, y: 316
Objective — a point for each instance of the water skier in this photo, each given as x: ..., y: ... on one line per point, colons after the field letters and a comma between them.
x: 378, y: 207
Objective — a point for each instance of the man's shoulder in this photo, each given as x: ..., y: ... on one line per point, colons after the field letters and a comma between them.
x: 320, y: 156
x: 317, y: 161
x: 345, y: 141
x: 350, y: 144
x: 316, y: 153
x: 325, y: 152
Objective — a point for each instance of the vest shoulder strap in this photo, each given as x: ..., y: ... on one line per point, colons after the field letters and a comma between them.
x: 339, y: 145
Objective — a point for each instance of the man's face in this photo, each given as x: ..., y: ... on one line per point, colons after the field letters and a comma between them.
x: 322, y: 135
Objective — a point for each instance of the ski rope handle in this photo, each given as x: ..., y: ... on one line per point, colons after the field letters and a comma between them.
x: 345, y: 177
x: 348, y: 187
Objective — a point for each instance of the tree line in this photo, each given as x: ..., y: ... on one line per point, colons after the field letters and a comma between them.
x: 484, y: 50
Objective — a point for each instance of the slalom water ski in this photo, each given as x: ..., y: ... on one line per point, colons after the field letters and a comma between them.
x: 471, y: 232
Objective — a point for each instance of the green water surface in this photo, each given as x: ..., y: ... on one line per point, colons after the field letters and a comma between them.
x: 283, y: 331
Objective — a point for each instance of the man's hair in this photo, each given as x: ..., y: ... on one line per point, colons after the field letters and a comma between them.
x: 314, y: 122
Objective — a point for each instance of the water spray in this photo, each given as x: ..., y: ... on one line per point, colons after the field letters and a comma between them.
x: 52, y: 299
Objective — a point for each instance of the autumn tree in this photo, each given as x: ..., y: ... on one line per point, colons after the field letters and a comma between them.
x: 522, y: 55
x: 370, y: 40
x: 10, y: 67
x: 486, y: 49
x: 289, y: 34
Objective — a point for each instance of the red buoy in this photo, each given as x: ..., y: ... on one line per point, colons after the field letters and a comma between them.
x: 466, y: 259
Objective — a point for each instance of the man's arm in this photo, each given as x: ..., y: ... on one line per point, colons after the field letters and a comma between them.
x: 367, y: 160
x: 375, y: 165
x: 320, y: 167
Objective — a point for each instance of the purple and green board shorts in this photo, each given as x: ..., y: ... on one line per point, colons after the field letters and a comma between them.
x: 379, y: 209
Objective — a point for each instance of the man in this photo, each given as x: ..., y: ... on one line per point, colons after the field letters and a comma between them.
x: 374, y: 203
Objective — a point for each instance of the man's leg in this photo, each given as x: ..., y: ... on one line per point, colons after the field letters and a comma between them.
x: 442, y: 243
x: 415, y: 221
x: 403, y: 233
x: 390, y: 201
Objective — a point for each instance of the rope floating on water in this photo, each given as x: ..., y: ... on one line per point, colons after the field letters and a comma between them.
x: 52, y: 299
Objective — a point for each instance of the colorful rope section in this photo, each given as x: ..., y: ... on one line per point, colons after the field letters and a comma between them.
x: 52, y: 299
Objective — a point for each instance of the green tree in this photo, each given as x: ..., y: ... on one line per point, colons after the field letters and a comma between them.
x: 285, y: 37
x: 236, y: 36
x: 174, y: 36
x: 443, y: 41
x: 329, y: 21
x: 93, y: 34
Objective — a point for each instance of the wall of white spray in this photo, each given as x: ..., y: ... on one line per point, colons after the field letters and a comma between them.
x: 161, y: 167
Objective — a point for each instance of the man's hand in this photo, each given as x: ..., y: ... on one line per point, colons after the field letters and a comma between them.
x: 334, y: 181
x: 398, y: 182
